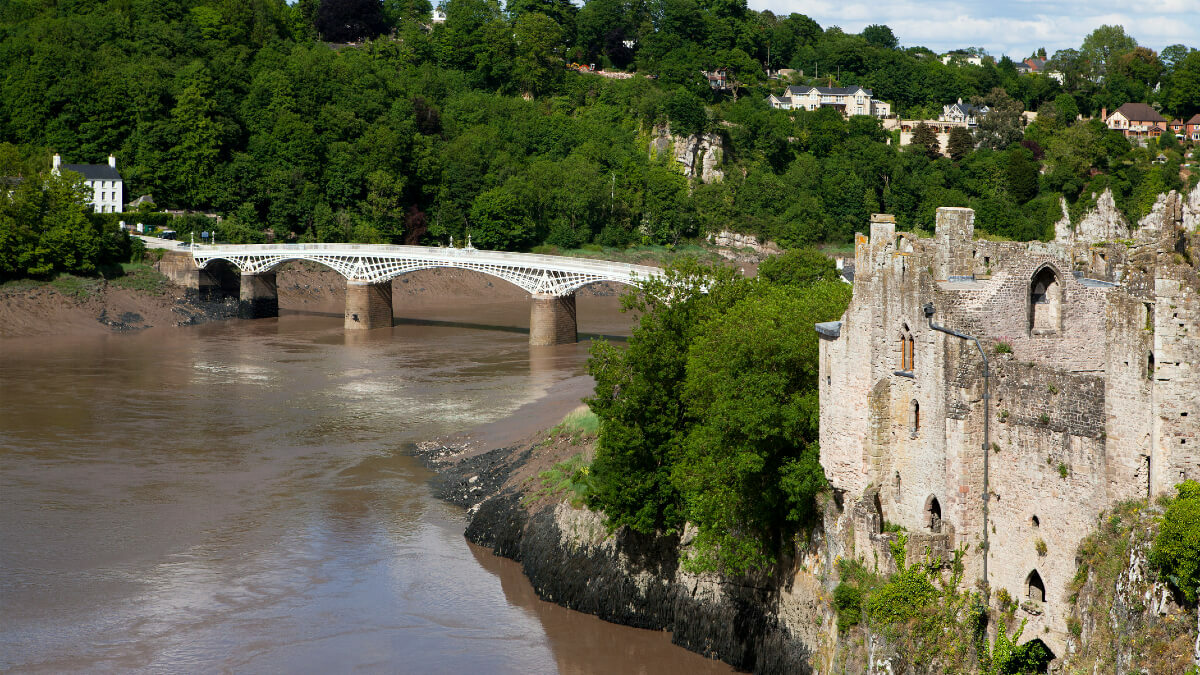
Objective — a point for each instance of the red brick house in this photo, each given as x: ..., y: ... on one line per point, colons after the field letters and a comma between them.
x: 1137, y: 120
x: 1192, y: 128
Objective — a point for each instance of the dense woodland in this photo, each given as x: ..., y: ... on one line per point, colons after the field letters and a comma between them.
x: 419, y: 131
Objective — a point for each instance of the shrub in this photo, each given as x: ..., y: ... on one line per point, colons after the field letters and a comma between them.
x: 1176, y: 550
x: 1063, y: 470
x: 1040, y: 546
x: 847, y: 600
x: 1003, y: 348
x: 901, y: 598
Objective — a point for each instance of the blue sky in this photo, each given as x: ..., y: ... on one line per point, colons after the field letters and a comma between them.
x: 1013, y: 27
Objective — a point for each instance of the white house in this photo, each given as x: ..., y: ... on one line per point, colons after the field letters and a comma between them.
x: 106, y: 184
x: 848, y: 100
x: 963, y: 112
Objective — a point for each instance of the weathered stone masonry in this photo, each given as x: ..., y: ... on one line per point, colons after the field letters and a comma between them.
x: 1094, y: 349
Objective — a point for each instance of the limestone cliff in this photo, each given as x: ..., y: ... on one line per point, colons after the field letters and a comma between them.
x: 1125, y: 619
x: 701, y: 155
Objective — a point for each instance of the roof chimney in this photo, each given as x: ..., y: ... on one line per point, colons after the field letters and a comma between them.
x: 55, y: 163
x: 1104, y: 114
x: 112, y: 161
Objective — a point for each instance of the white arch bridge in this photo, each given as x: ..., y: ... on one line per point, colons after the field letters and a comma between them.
x: 550, y: 280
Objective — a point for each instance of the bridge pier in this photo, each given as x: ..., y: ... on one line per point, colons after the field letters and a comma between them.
x: 368, y: 305
x: 552, y: 319
x: 258, y: 297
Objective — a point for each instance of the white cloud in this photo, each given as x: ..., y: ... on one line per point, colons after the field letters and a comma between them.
x: 1015, y: 27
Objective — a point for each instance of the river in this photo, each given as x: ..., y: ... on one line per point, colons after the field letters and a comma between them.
x: 236, y: 497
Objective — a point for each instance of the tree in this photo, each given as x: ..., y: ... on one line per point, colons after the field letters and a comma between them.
x: 925, y: 138
x: 348, y: 20
x: 686, y: 113
x: 879, y: 35
x: 1065, y: 106
x: 499, y: 221
x: 1001, y: 126
x: 749, y: 469
x: 1022, y: 175
x: 638, y: 396
x: 1102, y: 46
x: 1140, y: 65
x: 538, y: 64
x: 798, y: 267
x: 961, y: 143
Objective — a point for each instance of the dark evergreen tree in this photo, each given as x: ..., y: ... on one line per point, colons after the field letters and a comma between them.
x: 961, y: 143
x: 1022, y: 175
x: 925, y: 138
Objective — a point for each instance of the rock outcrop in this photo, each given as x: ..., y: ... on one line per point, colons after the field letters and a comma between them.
x: 1103, y: 222
x: 701, y: 155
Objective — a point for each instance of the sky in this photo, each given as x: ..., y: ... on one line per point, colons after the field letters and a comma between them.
x: 1016, y: 28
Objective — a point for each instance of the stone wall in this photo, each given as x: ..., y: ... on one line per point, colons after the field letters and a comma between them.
x: 1092, y: 395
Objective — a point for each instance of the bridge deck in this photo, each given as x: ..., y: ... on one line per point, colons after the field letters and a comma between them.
x: 376, y: 263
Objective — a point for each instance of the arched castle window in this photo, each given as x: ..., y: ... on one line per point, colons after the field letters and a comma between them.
x: 906, y: 349
x: 1035, y: 589
x: 1045, y: 302
x: 914, y: 417
x: 933, y: 514
x: 897, y: 485
x: 1150, y: 365
x: 1035, y: 522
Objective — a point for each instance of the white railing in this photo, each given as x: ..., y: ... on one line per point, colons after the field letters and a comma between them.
x: 376, y: 263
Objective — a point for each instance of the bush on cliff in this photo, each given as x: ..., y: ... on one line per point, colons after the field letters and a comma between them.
x: 1176, y: 550
x: 710, y: 414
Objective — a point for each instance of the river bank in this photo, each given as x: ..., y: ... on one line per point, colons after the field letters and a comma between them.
x: 512, y: 490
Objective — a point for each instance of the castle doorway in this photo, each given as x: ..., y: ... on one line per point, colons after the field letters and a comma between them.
x: 933, y: 514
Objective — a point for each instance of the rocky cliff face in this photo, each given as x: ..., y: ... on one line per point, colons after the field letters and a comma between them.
x: 1103, y: 222
x: 1126, y: 619
x: 701, y: 155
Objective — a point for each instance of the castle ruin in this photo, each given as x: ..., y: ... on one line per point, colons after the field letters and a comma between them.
x: 1093, y: 350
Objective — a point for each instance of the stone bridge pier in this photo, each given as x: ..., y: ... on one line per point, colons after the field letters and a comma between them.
x: 551, y: 281
x: 552, y: 319
x: 368, y: 305
x: 258, y: 297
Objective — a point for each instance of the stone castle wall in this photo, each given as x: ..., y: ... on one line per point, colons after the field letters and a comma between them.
x: 1092, y: 397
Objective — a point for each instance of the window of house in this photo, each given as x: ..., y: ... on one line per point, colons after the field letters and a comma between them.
x: 1045, y: 302
x: 1035, y: 589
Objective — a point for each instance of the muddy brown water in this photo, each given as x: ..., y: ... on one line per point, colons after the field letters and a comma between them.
x: 235, y: 497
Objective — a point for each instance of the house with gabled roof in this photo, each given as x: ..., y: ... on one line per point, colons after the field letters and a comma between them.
x: 963, y: 112
x: 103, y: 180
x: 848, y: 100
x: 1191, y: 128
x: 1137, y: 120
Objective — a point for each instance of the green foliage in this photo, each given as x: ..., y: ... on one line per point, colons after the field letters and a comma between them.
x: 1176, y: 551
x: 798, y: 267
x: 1010, y: 658
x: 1003, y: 348
x: 710, y: 414
x: 1063, y: 469
x: 571, y: 477
x: 847, y: 600
x: 903, y: 597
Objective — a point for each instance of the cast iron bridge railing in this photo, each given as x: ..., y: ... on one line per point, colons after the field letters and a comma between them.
x: 376, y: 263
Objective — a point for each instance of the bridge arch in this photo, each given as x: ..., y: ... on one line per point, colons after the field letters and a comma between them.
x: 536, y: 274
x: 551, y: 281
